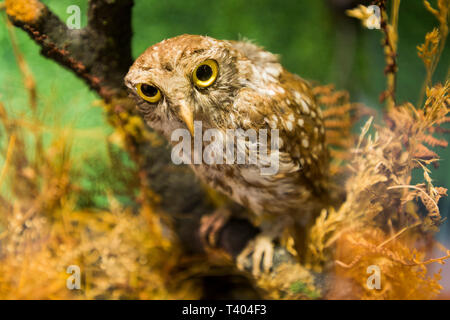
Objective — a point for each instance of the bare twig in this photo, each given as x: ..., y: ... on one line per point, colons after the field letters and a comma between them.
x: 390, y: 48
x: 418, y: 189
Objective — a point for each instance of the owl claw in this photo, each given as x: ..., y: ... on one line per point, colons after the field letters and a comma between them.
x: 263, y: 251
x: 210, y: 225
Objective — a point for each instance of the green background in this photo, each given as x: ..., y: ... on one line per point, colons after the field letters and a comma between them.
x: 314, y: 39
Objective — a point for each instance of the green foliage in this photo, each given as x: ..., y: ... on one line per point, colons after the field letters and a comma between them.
x: 301, y: 288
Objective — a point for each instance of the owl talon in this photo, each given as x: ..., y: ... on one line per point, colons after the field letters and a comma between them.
x: 210, y: 225
x: 263, y: 251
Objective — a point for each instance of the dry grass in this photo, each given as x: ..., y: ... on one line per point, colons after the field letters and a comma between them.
x: 43, y: 230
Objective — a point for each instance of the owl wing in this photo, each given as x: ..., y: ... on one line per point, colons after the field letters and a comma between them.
x: 285, y: 102
x: 274, y: 98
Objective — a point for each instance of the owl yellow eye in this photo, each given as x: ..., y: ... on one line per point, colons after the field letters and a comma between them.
x: 205, y: 74
x: 148, y: 92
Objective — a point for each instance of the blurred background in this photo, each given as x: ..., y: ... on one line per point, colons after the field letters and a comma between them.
x: 314, y: 39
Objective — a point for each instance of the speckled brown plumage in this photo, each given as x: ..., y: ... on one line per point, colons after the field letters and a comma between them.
x: 252, y: 91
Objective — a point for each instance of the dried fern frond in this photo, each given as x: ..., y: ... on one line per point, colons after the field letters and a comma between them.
x: 339, y: 116
x: 379, y: 224
x: 402, y: 269
x: 431, y: 50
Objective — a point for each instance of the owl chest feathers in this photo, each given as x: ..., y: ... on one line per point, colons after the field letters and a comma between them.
x: 252, y: 91
x: 267, y: 182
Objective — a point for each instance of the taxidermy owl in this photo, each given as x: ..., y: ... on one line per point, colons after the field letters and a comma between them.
x: 238, y: 85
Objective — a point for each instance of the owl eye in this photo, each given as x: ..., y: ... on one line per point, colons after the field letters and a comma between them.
x: 205, y: 73
x: 148, y: 92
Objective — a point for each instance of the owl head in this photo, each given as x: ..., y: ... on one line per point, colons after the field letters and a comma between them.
x: 185, y: 79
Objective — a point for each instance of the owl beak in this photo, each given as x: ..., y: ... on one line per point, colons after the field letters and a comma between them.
x: 186, y: 115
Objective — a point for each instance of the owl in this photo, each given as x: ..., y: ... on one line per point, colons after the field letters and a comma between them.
x: 238, y: 85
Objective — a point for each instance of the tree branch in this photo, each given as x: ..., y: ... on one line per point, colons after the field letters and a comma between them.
x: 100, y: 54
x: 109, y: 25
